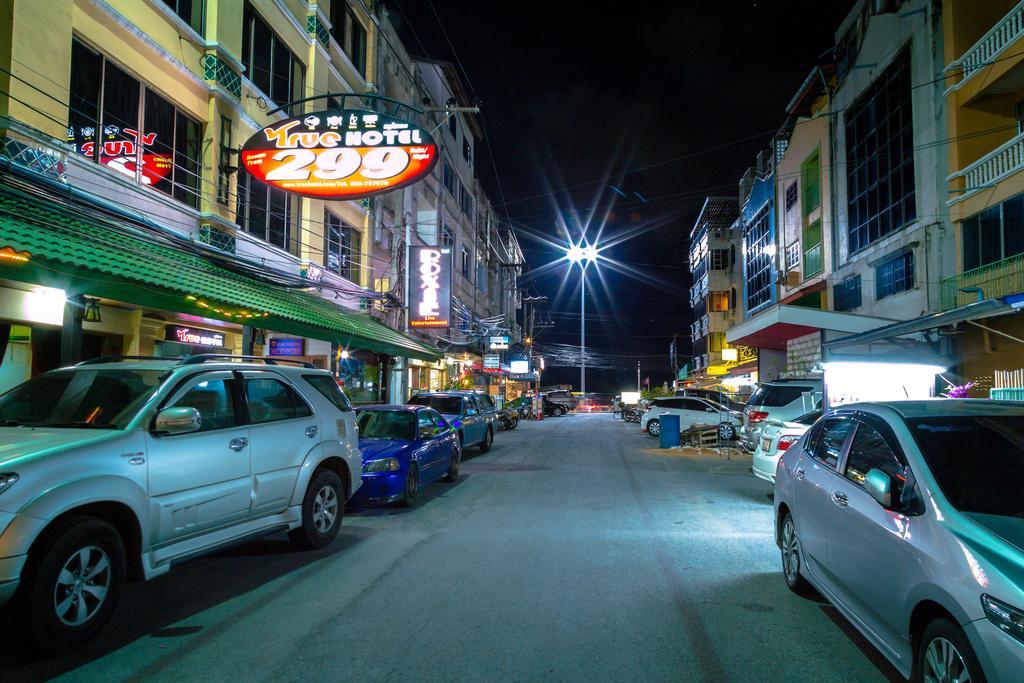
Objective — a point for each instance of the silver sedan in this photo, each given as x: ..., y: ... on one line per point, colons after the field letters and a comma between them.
x: 909, y: 517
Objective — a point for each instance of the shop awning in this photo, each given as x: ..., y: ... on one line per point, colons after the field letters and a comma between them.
x: 773, y: 328
x: 99, y: 257
x: 982, y: 309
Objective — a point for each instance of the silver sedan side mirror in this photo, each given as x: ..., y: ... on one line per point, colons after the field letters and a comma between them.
x: 879, y: 485
x: 178, y: 421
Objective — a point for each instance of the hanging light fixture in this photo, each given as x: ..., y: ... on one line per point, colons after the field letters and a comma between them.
x: 92, y: 310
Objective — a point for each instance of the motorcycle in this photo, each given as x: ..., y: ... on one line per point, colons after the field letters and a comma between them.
x: 508, y: 419
x: 632, y: 413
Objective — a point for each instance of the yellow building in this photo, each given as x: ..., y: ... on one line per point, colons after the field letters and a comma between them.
x: 984, y: 52
x: 132, y: 112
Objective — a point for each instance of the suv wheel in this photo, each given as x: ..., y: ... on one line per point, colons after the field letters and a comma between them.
x: 726, y: 431
x: 485, y: 445
x: 946, y: 655
x: 322, y: 511
x: 791, y: 560
x: 74, y: 586
x: 654, y: 427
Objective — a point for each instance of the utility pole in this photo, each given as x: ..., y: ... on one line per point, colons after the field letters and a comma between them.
x: 638, y: 375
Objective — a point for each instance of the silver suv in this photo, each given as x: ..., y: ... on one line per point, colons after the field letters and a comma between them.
x: 119, y: 467
x: 781, y: 399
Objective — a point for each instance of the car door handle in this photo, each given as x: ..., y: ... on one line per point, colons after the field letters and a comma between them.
x: 800, y: 473
x: 840, y: 499
x: 238, y: 444
x: 311, y: 431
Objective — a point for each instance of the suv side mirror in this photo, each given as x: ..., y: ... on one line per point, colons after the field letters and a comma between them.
x: 178, y: 420
x: 879, y: 485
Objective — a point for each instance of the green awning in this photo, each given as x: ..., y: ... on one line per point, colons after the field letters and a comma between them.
x: 102, y: 258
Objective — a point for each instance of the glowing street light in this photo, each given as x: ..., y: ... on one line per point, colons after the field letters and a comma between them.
x: 583, y: 254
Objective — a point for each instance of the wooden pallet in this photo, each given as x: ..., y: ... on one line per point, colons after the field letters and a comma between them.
x: 701, y: 437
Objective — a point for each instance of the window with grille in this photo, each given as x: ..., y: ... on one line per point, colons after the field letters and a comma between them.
x: 880, y: 157
x: 791, y: 195
x: 116, y: 121
x: 792, y: 255
x: 846, y: 294
x: 895, y: 275
x: 269, y: 64
x: 759, y: 261
x: 343, y: 246
x: 719, y: 259
x: 264, y: 211
x: 447, y: 237
x: 994, y: 234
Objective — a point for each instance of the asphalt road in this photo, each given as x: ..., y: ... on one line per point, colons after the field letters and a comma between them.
x: 574, y: 550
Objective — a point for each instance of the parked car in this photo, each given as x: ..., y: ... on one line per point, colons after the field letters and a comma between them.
x: 908, y: 516
x: 726, y: 399
x: 783, y: 399
x: 404, y: 448
x: 485, y: 403
x: 562, y: 397
x: 776, y: 438
x: 692, y: 412
x: 463, y: 412
x: 551, y: 408
x: 119, y: 467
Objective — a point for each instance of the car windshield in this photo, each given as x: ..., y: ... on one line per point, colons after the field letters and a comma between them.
x: 79, y: 398
x: 978, y: 462
x: 446, y: 405
x: 387, y: 424
x: 777, y: 395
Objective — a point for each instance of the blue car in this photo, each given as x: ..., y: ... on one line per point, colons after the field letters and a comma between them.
x: 404, y: 448
x: 463, y: 411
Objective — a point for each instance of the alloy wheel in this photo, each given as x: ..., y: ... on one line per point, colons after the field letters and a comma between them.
x: 790, y: 551
x: 325, y: 509
x: 82, y: 585
x: 654, y: 428
x: 412, y: 484
x: 943, y: 663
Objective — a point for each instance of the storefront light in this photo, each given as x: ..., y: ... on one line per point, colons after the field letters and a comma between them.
x: 10, y: 256
x: 851, y: 381
x: 44, y: 305
x: 344, y: 354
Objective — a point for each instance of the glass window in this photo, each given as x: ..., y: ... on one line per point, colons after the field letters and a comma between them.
x: 810, y: 175
x: 777, y: 395
x: 994, y: 234
x: 870, y: 450
x: 791, y: 195
x: 467, y: 151
x: 343, y: 247
x: 830, y: 445
x: 718, y: 301
x: 977, y: 461
x: 330, y: 390
x: 191, y: 12
x: 760, y: 260
x: 719, y: 259
x: 270, y: 400
x: 442, y: 424
x: 446, y: 405
x: 96, y: 399
x: 880, y: 157
x: 268, y: 62
x: 224, y: 161
x: 387, y: 424
x: 264, y: 211
x: 448, y: 177
x: 453, y: 125
x: 895, y: 275
x: 149, y: 141
x: 465, y: 263
x: 846, y: 294
x: 447, y: 237
x: 690, y: 404
x: 356, y: 48
x: 214, y: 402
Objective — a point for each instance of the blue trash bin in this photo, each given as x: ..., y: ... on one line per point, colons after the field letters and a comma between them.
x: 669, y: 436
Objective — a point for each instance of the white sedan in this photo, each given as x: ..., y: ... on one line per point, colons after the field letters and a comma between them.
x: 775, y: 438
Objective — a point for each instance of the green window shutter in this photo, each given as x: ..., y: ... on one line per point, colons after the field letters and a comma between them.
x: 810, y: 176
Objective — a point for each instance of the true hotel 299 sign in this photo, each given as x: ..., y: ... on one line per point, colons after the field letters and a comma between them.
x: 430, y: 285
x: 340, y: 154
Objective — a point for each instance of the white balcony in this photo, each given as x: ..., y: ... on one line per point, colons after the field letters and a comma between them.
x: 990, y: 46
x: 984, y: 173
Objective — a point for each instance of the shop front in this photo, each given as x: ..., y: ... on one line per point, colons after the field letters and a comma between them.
x: 426, y: 376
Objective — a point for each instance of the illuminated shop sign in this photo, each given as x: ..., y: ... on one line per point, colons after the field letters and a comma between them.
x: 430, y: 287
x: 191, y: 335
x: 519, y: 367
x: 498, y: 343
x: 340, y: 154
x: 492, y: 361
x: 124, y: 150
x: 287, y: 346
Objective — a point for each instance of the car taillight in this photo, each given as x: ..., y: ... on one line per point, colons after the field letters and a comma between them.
x: 757, y: 416
x: 785, y: 442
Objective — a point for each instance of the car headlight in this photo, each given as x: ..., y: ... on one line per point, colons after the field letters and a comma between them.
x: 7, y: 480
x: 385, y: 465
x: 1008, y: 618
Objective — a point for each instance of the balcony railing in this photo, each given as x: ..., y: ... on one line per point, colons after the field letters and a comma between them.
x: 991, y: 45
x: 1001, y: 278
x: 1001, y: 162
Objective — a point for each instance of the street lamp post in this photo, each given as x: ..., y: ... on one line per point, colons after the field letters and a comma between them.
x: 582, y: 253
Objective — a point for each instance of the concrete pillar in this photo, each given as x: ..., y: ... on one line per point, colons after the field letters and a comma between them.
x: 71, y: 330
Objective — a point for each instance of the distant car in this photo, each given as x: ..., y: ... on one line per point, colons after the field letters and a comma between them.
x: 404, y: 448
x: 783, y: 399
x: 776, y: 437
x: 463, y: 412
x: 563, y: 397
x: 691, y: 412
x: 551, y: 408
x: 123, y: 466
x: 908, y: 516
x: 486, y: 405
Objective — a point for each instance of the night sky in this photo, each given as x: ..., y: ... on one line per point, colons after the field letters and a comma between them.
x: 669, y: 104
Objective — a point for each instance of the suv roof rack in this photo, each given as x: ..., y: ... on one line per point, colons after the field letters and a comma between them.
x: 117, y: 359
x: 208, y: 357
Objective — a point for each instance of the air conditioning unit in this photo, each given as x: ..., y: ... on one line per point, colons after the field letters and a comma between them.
x: 791, y: 278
